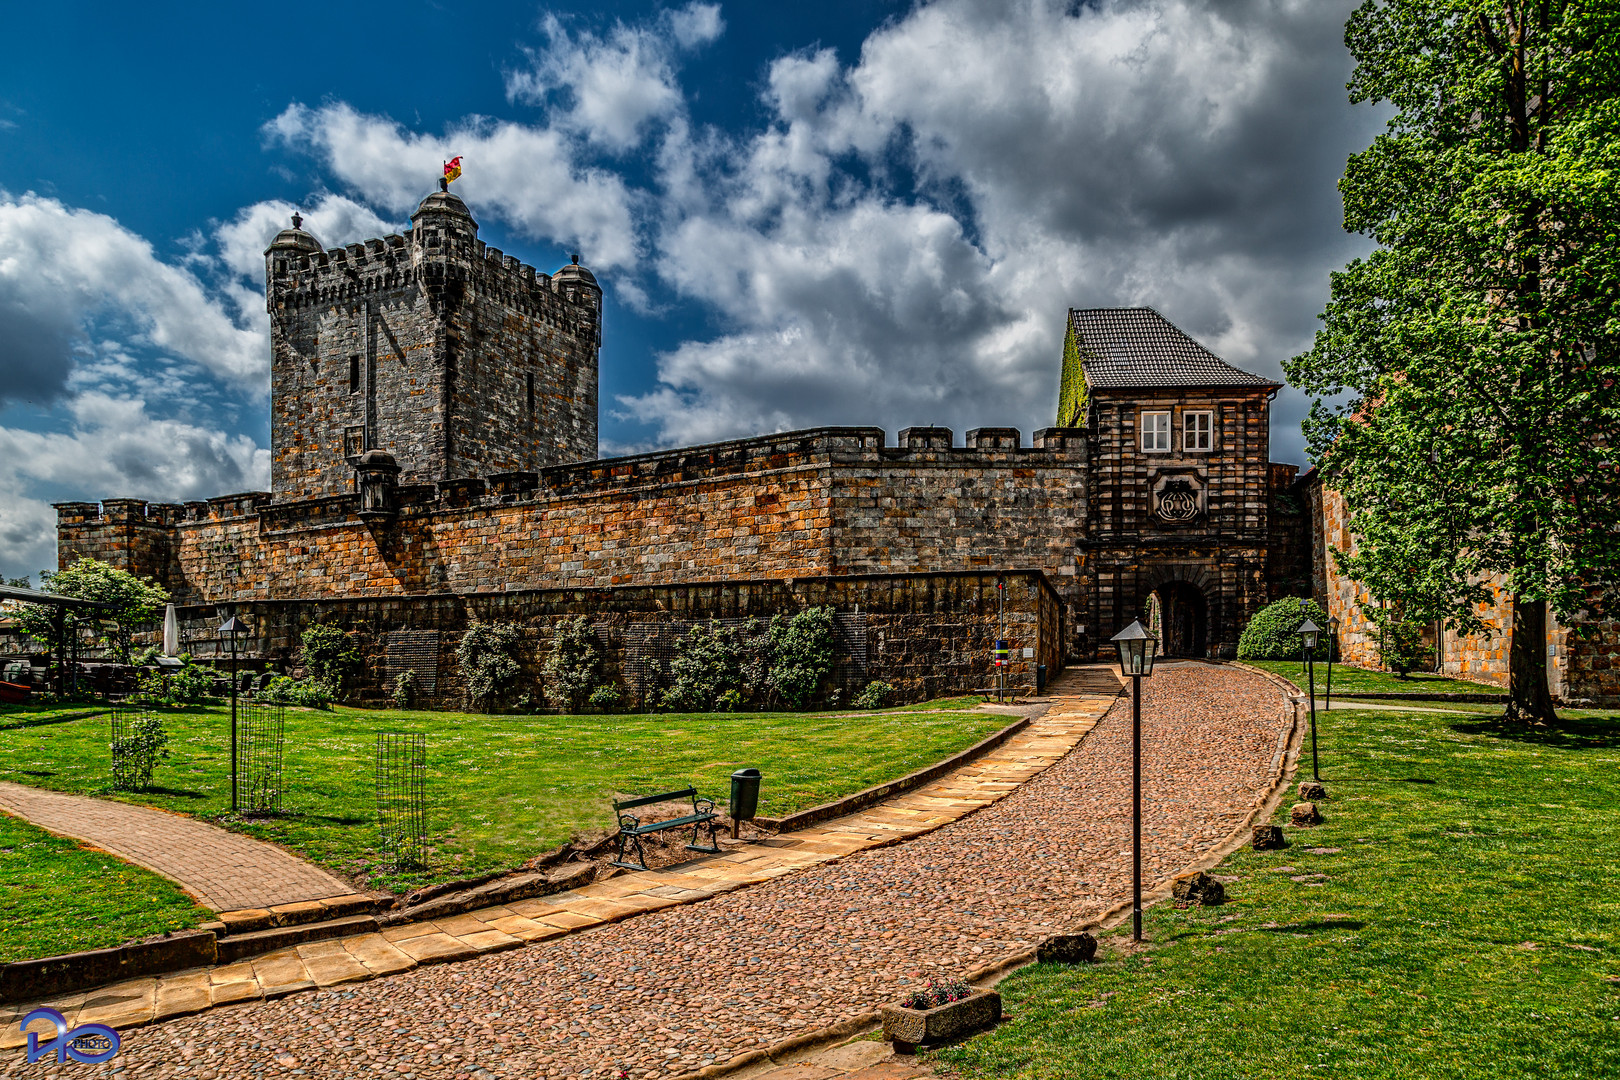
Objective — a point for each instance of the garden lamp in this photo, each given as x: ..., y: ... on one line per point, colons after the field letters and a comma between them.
x: 1136, y: 648
x: 1308, y: 633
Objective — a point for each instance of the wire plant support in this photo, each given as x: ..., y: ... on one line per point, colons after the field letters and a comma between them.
x: 126, y: 763
x: 402, y: 797
x: 260, y: 728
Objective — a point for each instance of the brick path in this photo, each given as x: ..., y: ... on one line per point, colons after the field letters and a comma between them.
x: 222, y: 869
x: 850, y: 918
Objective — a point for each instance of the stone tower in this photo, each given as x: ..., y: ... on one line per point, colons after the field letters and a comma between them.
x: 455, y: 359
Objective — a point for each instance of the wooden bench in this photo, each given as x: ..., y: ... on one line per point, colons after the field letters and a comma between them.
x: 631, y: 830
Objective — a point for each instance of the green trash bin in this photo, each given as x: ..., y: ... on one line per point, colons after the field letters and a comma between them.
x: 744, y: 797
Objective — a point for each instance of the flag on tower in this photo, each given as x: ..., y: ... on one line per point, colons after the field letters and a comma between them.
x: 452, y: 168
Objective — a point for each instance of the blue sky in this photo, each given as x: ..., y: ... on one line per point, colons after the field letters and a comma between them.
x: 857, y: 212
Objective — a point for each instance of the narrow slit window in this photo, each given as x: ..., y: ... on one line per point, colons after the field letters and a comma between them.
x: 529, y: 378
x: 1198, y: 431
x: 354, y: 374
x: 1156, y: 432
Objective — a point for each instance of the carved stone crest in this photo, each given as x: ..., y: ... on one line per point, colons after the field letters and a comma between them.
x: 1178, y: 498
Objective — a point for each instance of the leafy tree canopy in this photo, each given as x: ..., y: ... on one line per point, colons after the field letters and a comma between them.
x: 1468, y: 409
x: 133, y: 603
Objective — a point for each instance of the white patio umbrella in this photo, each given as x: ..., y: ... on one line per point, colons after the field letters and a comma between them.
x: 171, y: 632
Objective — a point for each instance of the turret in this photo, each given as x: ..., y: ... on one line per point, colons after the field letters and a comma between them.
x: 288, y: 246
x: 442, y: 222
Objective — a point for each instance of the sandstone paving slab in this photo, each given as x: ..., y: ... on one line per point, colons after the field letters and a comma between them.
x: 491, y: 940
x: 281, y: 972
x: 377, y: 954
x: 436, y: 948
x: 410, y: 930
x: 332, y: 966
x: 127, y: 1004
x: 181, y: 993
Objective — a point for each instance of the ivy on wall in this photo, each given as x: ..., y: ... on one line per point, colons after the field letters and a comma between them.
x: 1072, y: 393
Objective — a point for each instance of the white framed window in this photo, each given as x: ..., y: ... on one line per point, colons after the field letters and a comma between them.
x: 1156, y: 432
x: 1198, y: 430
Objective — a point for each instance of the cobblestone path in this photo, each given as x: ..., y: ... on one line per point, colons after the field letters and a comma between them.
x: 222, y: 869
x: 670, y: 991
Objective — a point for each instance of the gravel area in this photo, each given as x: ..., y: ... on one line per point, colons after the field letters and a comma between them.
x: 673, y: 990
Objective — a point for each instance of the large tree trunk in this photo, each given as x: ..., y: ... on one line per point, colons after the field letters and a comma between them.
x: 1529, y: 699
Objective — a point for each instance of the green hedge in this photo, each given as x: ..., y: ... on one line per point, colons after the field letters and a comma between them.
x: 1273, y: 633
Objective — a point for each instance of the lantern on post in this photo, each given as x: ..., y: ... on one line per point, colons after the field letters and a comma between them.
x: 1137, y: 650
x: 229, y: 630
x: 1332, y: 646
x: 1308, y: 634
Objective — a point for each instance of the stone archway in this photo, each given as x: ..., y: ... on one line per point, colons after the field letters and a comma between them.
x: 1180, y: 613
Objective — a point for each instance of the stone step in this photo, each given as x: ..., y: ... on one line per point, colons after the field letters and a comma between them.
x: 234, y: 947
x: 247, y: 920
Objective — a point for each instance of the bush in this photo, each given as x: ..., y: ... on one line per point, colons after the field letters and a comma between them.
x: 606, y: 698
x: 331, y: 655
x: 286, y: 690
x: 1273, y: 633
x: 708, y: 663
x: 1400, y: 642
x: 488, y: 658
x: 189, y: 684
x: 801, y: 654
x: 136, y: 754
x: 573, y: 668
x: 404, y: 687
x: 875, y: 696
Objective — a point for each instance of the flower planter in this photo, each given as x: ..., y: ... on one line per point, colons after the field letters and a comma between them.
x: 908, y: 1028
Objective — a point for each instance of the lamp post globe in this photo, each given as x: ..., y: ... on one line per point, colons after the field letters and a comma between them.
x: 1136, y: 655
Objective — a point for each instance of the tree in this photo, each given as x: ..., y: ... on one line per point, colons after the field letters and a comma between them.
x: 1467, y: 406
x: 133, y: 603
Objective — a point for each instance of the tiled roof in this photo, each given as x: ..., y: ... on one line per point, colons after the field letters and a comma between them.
x: 1136, y: 348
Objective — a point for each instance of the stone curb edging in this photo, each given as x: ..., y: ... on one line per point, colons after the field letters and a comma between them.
x: 860, y: 800
x: 1441, y: 696
x: 993, y: 972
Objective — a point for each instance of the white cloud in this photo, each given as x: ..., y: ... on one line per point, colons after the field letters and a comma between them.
x: 114, y: 448
x: 901, y: 244
x: 529, y: 177
x: 65, y: 272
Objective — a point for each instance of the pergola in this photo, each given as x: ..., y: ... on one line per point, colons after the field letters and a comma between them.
x: 64, y: 647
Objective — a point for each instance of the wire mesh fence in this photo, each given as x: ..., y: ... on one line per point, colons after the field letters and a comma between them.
x: 402, y: 797
x: 259, y: 731
x: 132, y: 758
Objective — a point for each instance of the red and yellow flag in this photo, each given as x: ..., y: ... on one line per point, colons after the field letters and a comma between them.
x: 452, y: 168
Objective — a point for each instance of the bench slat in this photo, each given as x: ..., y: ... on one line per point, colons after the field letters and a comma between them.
x: 647, y: 800
x: 656, y: 826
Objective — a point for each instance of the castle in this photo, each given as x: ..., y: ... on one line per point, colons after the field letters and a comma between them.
x: 434, y: 463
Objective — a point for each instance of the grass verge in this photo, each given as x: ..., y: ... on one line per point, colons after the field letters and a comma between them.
x: 57, y: 896
x: 500, y: 788
x: 1349, y: 680
x: 1455, y: 916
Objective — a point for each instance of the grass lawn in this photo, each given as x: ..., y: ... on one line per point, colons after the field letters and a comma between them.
x: 1352, y: 680
x: 58, y: 896
x: 1464, y: 923
x: 500, y: 788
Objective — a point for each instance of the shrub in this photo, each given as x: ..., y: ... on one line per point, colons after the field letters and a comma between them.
x: 801, y: 654
x: 875, y: 696
x: 132, y: 604
x: 1400, y: 642
x: 331, y: 655
x: 136, y: 754
x: 573, y: 668
x: 708, y: 662
x: 606, y: 697
x: 191, y: 684
x: 1273, y: 633
x: 286, y: 690
x: 488, y: 657
x: 404, y: 687
x: 937, y: 993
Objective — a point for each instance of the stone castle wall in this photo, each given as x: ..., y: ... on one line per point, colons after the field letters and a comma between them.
x: 926, y: 634
x: 826, y: 502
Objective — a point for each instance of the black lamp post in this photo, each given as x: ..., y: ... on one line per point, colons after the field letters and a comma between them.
x: 229, y: 630
x: 1332, y: 644
x: 1308, y: 632
x: 1136, y: 649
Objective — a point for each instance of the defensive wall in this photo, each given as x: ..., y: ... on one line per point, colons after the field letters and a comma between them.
x: 926, y: 634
